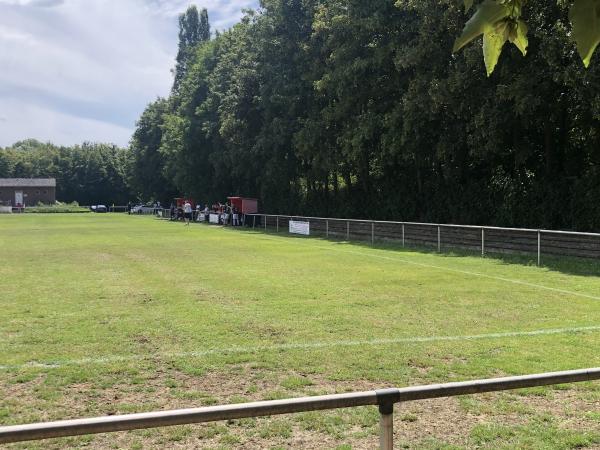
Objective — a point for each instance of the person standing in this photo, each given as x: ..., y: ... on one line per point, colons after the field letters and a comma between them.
x: 187, y: 212
x: 235, y: 216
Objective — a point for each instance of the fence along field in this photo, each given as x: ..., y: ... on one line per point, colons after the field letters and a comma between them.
x: 116, y: 314
x: 446, y: 236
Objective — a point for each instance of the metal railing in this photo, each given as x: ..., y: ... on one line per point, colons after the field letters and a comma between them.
x: 437, y: 236
x: 147, y: 210
x: 384, y: 399
x: 117, y: 209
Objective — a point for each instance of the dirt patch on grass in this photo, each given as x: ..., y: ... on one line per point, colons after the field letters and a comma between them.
x: 447, y: 420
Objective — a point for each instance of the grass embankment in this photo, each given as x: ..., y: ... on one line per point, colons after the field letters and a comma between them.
x: 105, y: 314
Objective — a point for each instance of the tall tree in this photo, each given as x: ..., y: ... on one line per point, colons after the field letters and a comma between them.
x: 353, y: 108
x: 193, y: 29
x: 148, y: 176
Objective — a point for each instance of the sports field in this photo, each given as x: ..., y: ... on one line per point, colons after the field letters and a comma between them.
x: 109, y: 314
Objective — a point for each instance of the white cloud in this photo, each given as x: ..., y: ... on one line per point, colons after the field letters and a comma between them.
x: 38, y: 3
x: 30, y: 121
x: 89, y: 64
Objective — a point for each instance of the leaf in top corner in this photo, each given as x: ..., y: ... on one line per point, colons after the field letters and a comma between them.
x: 488, y: 14
x: 518, y: 36
x: 493, y: 41
x: 468, y: 4
x: 585, y: 17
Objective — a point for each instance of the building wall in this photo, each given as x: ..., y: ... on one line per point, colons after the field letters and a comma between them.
x: 31, y: 195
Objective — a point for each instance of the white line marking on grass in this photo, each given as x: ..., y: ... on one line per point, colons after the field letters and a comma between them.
x: 301, y: 346
x: 465, y: 272
x: 477, y: 274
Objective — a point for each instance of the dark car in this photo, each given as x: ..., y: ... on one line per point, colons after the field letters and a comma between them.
x: 99, y: 208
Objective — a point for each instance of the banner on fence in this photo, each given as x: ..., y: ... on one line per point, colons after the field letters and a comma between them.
x: 300, y: 227
x: 213, y: 218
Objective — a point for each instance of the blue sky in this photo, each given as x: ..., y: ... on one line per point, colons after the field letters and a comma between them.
x: 83, y: 70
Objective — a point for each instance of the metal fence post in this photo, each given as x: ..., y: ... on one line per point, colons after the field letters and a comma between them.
x: 402, y: 235
x: 326, y: 228
x: 372, y: 233
x: 347, y: 230
x: 253, y: 221
x: 539, y: 249
x: 482, y: 242
x: 439, y: 239
x: 277, y: 218
x: 265, y: 222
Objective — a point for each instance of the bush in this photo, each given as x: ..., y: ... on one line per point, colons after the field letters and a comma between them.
x: 58, y: 207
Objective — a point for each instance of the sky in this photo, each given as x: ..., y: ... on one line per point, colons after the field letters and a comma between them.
x: 84, y: 70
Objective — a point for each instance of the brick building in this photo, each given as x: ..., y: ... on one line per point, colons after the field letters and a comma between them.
x: 27, y: 191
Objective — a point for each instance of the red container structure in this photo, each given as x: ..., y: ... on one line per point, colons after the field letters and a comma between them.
x: 244, y: 205
x: 179, y: 202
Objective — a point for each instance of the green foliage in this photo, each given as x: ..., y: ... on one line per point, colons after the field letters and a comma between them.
x: 193, y: 29
x: 585, y: 16
x: 360, y: 109
x: 494, y: 39
x: 57, y: 208
x: 490, y: 16
x: 89, y: 173
x: 500, y: 21
x: 147, y: 174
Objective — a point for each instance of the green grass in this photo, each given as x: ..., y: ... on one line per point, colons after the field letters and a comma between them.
x: 113, y: 314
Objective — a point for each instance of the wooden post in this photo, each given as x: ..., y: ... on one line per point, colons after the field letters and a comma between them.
x: 386, y: 427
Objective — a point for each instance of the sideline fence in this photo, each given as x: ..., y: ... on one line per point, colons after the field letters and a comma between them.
x: 145, y: 210
x: 443, y: 236
x: 384, y: 399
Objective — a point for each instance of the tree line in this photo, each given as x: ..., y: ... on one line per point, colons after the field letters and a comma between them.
x: 355, y: 108
x: 89, y: 174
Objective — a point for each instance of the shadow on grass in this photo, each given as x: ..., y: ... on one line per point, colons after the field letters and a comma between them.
x: 587, y: 267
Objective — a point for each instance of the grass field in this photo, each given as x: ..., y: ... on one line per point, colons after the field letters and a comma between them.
x: 108, y: 314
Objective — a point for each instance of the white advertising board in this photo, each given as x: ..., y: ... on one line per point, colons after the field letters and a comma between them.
x: 300, y: 227
x: 213, y: 218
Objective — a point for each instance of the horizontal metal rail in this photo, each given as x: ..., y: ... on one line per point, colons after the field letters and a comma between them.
x: 384, y: 398
x: 447, y: 225
x: 443, y: 236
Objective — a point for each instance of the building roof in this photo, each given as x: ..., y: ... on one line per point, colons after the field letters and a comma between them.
x: 27, y: 182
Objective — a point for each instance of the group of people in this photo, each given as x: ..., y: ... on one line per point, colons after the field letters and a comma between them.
x: 227, y: 214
